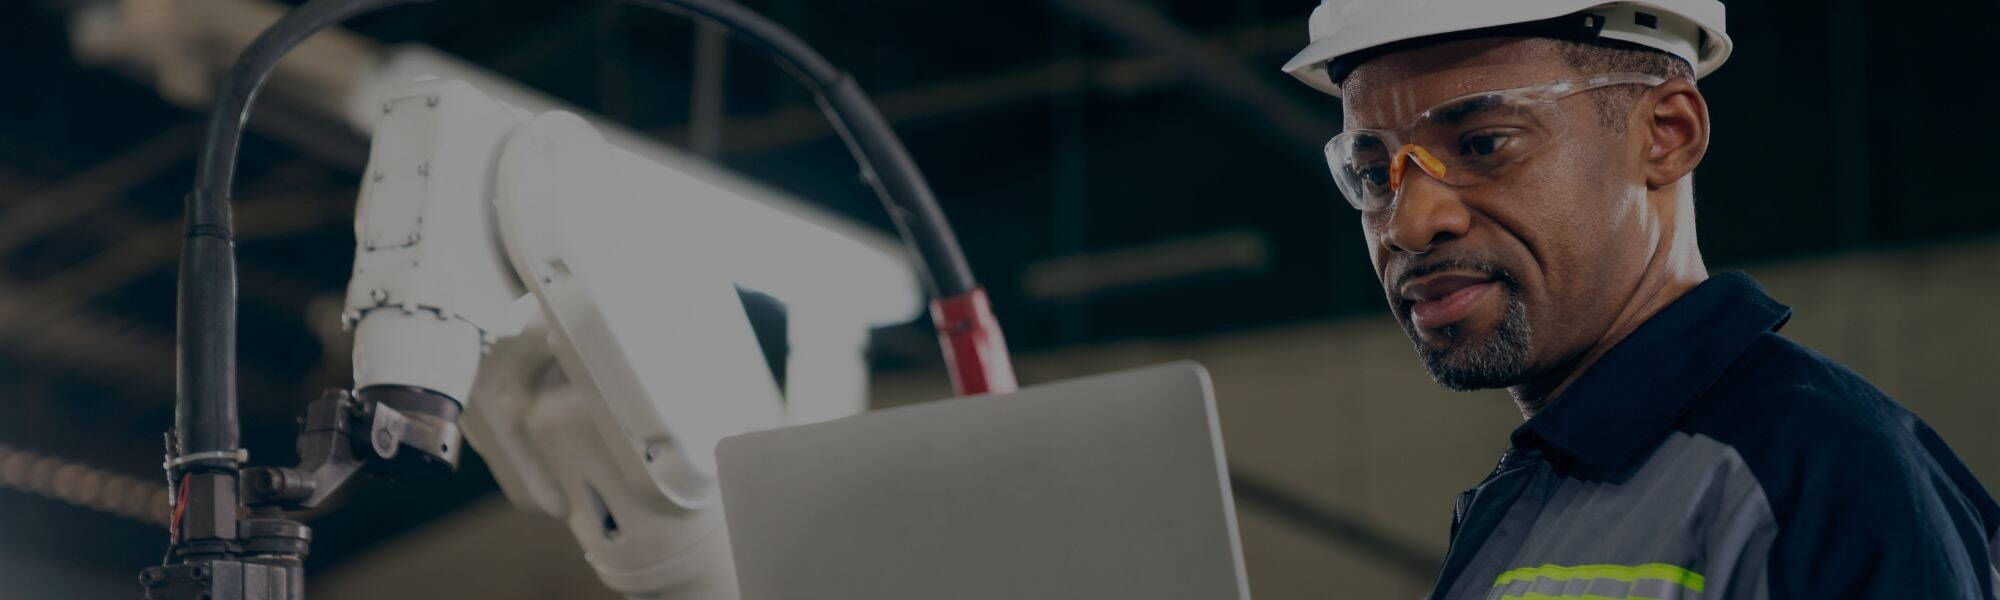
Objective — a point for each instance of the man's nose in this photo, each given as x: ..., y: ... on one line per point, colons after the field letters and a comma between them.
x: 1425, y: 213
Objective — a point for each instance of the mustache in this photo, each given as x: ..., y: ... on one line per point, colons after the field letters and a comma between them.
x: 1404, y: 274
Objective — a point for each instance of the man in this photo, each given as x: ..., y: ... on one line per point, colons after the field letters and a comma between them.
x: 1523, y: 170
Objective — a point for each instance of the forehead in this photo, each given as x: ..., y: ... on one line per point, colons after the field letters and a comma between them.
x: 1390, y: 89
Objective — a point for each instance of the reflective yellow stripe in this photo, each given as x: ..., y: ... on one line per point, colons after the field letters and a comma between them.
x: 1533, y: 596
x: 1626, y: 573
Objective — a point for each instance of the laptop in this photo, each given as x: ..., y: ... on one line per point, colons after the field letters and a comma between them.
x: 1104, y: 487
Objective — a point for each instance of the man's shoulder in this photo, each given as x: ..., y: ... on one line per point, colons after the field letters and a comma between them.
x: 1792, y: 397
x: 1868, y: 500
x: 1808, y: 426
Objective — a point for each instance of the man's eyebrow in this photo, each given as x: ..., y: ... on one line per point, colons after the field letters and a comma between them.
x: 1459, y: 111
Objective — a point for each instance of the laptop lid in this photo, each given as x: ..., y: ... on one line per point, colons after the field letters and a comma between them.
x: 1112, y: 486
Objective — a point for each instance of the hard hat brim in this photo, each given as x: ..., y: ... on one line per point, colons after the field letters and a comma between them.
x: 1365, y: 30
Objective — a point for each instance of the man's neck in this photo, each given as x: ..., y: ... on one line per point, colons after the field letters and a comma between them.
x: 1539, y: 392
x: 1674, y: 268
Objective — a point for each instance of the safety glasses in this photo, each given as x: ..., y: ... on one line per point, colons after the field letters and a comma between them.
x: 1464, y: 141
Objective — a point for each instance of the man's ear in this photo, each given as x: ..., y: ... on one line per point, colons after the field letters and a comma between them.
x: 1674, y: 121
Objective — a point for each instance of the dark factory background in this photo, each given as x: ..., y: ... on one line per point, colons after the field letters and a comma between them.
x: 1131, y: 178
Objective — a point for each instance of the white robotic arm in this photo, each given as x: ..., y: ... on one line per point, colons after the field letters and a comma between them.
x: 579, y: 302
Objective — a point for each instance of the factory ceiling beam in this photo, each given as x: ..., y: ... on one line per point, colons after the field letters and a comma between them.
x: 104, y: 347
x: 107, y: 349
x: 49, y: 322
x: 1120, y: 76
x: 55, y: 308
x: 69, y: 200
x: 115, y: 352
x: 1176, y: 58
x: 14, y: 186
x: 149, y: 250
x: 333, y: 77
x: 1250, y: 94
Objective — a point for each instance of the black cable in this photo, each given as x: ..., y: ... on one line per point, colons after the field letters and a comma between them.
x: 206, y: 418
x: 886, y: 164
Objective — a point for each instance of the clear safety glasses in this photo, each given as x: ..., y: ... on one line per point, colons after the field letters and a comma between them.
x: 1464, y: 141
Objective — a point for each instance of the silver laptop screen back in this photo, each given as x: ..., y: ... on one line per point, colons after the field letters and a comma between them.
x: 1111, y: 486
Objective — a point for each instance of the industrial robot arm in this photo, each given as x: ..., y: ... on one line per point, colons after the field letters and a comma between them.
x: 580, y: 302
x: 479, y: 219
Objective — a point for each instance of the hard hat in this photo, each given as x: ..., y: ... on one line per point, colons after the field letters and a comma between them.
x: 1345, y: 32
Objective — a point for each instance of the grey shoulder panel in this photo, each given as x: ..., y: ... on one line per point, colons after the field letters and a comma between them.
x: 1689, y: 521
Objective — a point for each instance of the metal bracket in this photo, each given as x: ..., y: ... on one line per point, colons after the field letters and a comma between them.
x: 403, y: 433
x: 233, y: 579
x: 239, y: 455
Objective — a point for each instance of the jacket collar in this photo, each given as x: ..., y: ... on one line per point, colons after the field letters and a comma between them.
x: 1633, y: 395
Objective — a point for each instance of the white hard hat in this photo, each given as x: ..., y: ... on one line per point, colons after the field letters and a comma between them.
x: 1343, y: 30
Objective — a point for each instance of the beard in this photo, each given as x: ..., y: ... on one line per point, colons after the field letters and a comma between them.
x: 1496, y: 360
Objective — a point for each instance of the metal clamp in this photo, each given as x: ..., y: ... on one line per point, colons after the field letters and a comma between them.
x: 239, y: 455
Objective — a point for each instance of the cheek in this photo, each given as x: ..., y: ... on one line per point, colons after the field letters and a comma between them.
x: 1370, y: 235
x: 1608, y: 216
x: 1585, y: 227
x: 1578, y: 202
x: 1552, y: 216
x: 1372, y: 225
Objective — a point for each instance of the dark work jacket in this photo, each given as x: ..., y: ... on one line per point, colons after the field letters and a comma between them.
x: 1706, y: 456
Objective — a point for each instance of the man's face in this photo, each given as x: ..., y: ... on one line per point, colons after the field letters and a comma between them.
x: 1500, y: 281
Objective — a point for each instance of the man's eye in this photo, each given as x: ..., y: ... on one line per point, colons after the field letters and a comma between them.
x: 1376, y: 175
x: 1483, y: 143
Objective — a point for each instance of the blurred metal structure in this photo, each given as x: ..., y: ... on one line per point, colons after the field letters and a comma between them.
x: 179, y: 45
x: 1253, y: 96
x: 705, y: 116
x: 176, y: 45
x: 83, y: 485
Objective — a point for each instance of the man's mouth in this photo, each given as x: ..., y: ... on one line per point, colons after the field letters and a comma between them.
x: 1441, y: 299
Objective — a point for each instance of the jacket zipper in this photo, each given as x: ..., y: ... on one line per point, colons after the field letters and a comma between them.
x: 1462, y: 509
